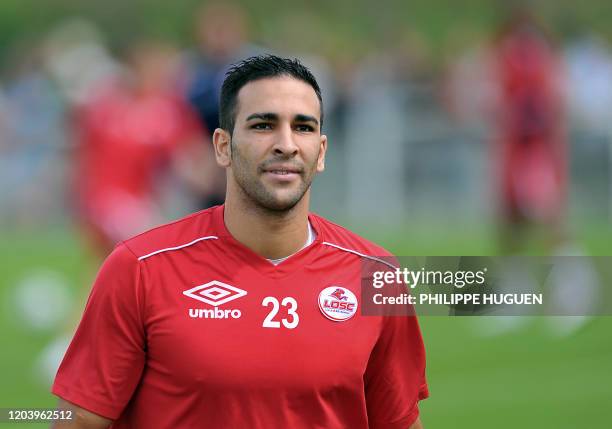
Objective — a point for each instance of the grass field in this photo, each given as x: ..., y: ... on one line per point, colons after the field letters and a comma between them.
x: 527, y: 378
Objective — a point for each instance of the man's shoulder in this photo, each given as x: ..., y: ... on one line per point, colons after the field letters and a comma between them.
x: 178, y: 234
x: 337, y: 236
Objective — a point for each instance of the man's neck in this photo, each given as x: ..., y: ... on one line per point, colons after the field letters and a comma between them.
x: 272, y: 235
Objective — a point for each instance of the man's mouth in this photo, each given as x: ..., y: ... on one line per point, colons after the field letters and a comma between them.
x: 282, y: 172
x: 282, y: 169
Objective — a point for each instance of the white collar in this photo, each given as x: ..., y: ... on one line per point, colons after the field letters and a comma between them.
x: 311, y: 238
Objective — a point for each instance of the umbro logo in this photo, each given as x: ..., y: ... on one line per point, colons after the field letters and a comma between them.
x: 214, y: 293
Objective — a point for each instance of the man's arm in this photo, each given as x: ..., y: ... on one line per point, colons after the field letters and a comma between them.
x: 81, y: 418
x: 104, y: 362
x: 417, y: 424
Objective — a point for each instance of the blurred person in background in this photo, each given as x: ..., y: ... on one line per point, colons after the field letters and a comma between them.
x: 78, y: 59
x: 531, y: 158
x: 131, y: 133
x: 588, y: 61
x: 32, y: 142
x: 222, y: 38
x: 533, y: 171
x: 34, y: 168
x: 132, y: 129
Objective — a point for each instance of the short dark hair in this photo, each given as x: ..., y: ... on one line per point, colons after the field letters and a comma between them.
x: 254, y: 68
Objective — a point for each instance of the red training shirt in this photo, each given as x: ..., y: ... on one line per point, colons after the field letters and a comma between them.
x: 253, y: 349
x: 125, y: 139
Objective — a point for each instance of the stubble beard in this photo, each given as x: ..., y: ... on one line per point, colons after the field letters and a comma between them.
x: 259, y: 195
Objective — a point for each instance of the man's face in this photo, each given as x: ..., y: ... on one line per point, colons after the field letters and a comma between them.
x: 277, y: 146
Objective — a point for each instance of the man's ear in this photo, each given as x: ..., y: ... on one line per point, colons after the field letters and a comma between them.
x: 322, y: 150
x: 223, y: 149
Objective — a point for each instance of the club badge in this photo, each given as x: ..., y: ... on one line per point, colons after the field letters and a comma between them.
x: 337, y: 303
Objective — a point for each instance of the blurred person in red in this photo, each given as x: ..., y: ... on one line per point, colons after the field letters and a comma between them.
x: 221, y: 31
x: 533, y: 167
x: 530, y: 127
x: 131, y: 130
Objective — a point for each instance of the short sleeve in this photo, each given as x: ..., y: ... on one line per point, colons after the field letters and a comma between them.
x: 104, y: 361
x: 395, y: 375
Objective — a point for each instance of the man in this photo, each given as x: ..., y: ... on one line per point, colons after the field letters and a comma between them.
x: 134, y: 129
x: 222, y: 38
x: 532, y: 151
x: 246, y: 315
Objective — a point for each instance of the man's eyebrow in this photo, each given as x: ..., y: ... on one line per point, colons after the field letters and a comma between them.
x: 263, y: 116
x: 305, y: 118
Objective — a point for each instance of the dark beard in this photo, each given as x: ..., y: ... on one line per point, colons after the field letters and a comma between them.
x: 257, y: 193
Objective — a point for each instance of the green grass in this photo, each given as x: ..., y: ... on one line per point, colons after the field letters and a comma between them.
x: 525, y: 378
x: 20, y: 254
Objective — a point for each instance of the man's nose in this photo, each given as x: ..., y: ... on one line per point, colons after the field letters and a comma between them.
x: 284, y: 144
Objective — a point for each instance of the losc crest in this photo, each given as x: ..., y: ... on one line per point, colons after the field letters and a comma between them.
x: 337, y: 303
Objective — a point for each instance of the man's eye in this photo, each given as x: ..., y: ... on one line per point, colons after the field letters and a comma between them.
x: 304, y: 128
x: 262, y: 126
